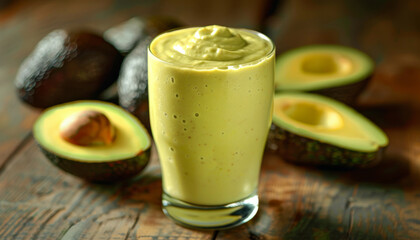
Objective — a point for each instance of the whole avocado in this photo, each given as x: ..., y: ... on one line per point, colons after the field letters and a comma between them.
x: 128, y: 34
x: 132, y: 82
x: 67, y: 65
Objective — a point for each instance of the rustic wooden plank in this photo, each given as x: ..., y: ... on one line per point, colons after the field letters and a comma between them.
x: 383, y: 202
x: 39, y: 201
x: 378, y: 203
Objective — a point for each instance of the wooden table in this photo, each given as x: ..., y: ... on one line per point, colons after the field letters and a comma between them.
x: 38, y: 201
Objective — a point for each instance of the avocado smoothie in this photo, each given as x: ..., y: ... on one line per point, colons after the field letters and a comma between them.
x: 210, y: 94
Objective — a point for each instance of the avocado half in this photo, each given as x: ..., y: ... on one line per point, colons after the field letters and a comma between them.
x: 335, y: 71
x: 125, y: 157
x: 317, y: 130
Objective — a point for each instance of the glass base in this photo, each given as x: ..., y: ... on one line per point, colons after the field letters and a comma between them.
x: 210, y: 217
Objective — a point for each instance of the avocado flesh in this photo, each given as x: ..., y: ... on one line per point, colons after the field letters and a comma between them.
x: 131, y: 137
x: 314, y: 129
x: 335, y: 71
x: 125, y: 157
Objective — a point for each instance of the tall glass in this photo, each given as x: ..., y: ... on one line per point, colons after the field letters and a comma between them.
x: 210, y: 126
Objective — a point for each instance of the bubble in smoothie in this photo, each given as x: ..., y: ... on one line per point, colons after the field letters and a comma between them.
x: 172, y: 79
x: 196, y: 114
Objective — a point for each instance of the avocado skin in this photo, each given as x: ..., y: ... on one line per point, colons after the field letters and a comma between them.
x: 306, y: 151
x: 133, y: 79
x: 101, y: 172
x: 347, y: 93
x: 133, y: 83
x: 127, y: 35
x: 67, y: 65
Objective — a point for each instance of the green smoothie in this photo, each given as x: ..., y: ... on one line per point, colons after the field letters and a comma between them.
x: 210, y: 94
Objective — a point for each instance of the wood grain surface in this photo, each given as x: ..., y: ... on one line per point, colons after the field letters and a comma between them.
x: 38, y: 201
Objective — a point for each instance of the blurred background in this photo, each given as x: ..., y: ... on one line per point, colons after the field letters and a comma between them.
x: 387, y: 30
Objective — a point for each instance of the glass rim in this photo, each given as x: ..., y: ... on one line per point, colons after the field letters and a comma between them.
x: 227, y: 67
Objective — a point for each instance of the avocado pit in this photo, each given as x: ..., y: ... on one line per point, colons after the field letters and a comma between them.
x: 88, y: 127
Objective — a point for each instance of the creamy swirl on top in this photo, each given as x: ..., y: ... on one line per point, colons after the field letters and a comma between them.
x: 210, y: 47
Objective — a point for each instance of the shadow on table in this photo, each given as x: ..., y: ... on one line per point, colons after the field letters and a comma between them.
x: 394, y: 115
x: 144, y: 188
x: 313, y: 227
x: 345, y: 203
x: 390, y: 170
x: 397, y: 119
